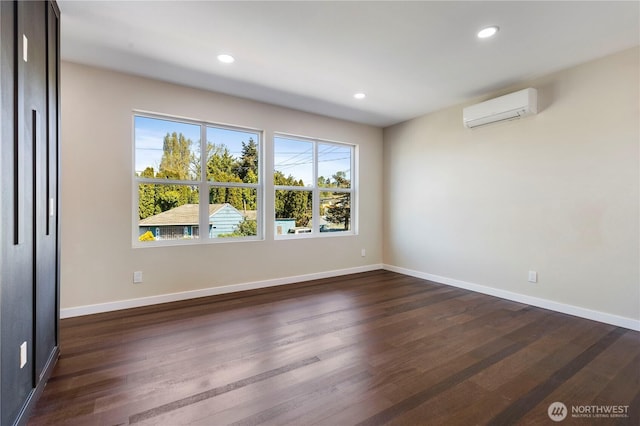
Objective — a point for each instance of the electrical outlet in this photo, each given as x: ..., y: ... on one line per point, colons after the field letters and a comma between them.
x: 533, y: 277
x: 363, y: 253
x: 23, y: 354
x: 137, y: 277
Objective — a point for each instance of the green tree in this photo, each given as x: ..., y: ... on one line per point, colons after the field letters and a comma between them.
x: 322, y: 182
x: 147, y: 195
x: 222, y: 194
x: 222, y: 167
x: 292, y: 203
x: 246, y: 228
x: 172, y: 196
x: 177, y: 163
x: 220, y: 163
x: 248, y: 164
x: 339, y: 211
x: 176, y: 157
x: 168, y: 199
x: 250, y: 195
x: 298, y: 204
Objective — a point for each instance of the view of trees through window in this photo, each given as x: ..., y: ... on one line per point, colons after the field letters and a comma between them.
x: 198, y: 181
x: 168, y: 171
x: 305, y: 203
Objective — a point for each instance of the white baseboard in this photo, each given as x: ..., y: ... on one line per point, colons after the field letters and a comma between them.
x: 630, y: 323
x: 212, y: 291
x: 616, y: 320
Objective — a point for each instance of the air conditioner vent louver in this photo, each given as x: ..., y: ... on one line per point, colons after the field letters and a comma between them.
x: 508, y: 107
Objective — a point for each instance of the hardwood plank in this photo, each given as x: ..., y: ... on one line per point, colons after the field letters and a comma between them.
x: 370, y: 348
x: 528, y: 401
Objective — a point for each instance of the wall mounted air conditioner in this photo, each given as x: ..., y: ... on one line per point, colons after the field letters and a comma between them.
x: 508, y: 107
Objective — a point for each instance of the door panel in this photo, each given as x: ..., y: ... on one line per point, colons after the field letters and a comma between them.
x: 45, y: 177
x: 32, y: 86
x: 29, y: 140
x: 17, y: 217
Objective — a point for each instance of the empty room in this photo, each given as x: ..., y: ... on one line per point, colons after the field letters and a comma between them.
x: 320, y: 213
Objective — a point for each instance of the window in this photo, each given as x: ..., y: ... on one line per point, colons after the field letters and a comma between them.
x: 314, y: 189
x: 192, y: 176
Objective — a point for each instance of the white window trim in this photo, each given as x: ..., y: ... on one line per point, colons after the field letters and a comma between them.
x: 203, y: 185
x: 315, y: 189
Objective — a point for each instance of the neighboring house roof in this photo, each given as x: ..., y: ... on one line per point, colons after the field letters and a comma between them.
x: 186, y: 214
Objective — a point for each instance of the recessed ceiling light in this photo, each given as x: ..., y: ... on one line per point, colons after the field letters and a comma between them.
x: 227, y: 59
x: 359, y: 96
x: 488, y: 32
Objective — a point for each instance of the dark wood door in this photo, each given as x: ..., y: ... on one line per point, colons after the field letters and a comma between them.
x: 18, y: 213
x: 28, y: 224
x: 45, y: 191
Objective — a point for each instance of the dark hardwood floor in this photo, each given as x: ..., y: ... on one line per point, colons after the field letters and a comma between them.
x: 364, y: 349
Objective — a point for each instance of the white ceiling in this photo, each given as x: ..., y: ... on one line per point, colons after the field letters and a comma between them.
x: 410, y: 58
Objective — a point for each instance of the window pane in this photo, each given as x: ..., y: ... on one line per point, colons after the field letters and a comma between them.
x: 233, y: 212
x: 232, y: 155
x: 293, y: 162
x: 166, y: 149
x: 334, y: 166
x: 293, y: 212
x: 335, y: 211
x: 167, y: 212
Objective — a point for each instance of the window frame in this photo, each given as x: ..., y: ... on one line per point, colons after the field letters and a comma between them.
x: 204, y: 184
x: 316, y: 190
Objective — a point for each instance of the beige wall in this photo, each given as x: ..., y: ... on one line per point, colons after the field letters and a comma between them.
x: 557, y: 192
x: 97, y: 255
